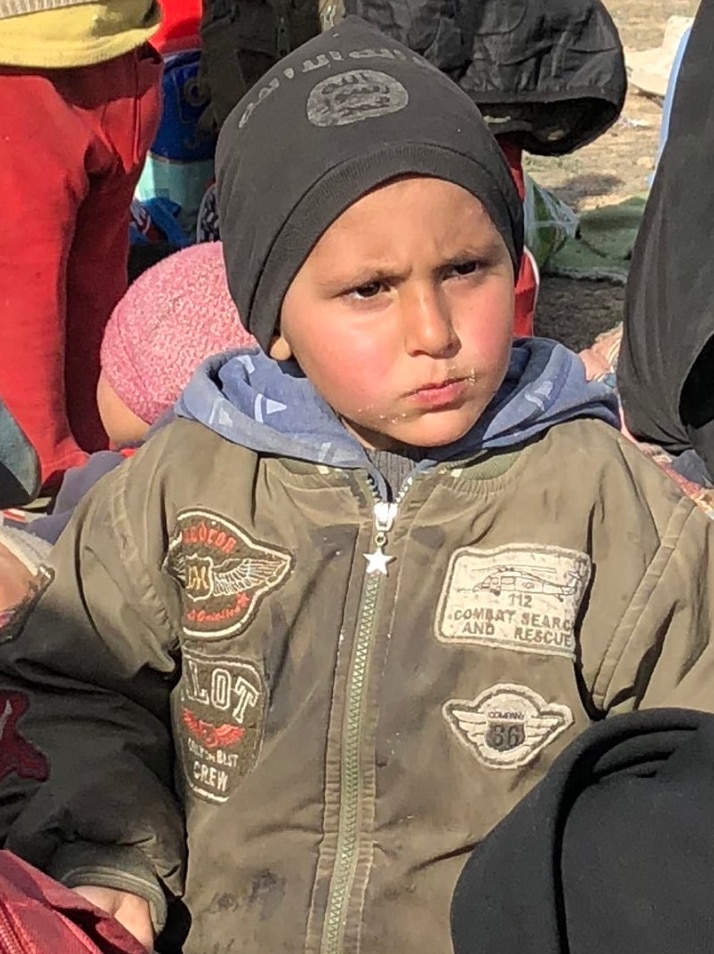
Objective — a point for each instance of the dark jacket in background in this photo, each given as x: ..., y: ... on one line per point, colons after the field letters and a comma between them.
x: 612, y: 852
x: 549, y: 74
x: 666, y: 364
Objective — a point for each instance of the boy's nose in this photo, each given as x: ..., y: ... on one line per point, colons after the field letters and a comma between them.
x: 427, y: 324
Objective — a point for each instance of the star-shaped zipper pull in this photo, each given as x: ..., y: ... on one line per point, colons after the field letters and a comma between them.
x: 378, y: 561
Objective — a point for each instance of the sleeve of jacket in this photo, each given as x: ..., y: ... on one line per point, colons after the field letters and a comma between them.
x: 662, y: 652
x: 94, y: 665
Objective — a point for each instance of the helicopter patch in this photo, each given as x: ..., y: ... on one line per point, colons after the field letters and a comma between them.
x: 521, y: 597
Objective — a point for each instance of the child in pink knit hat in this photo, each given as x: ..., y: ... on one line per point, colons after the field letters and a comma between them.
x: 175, y: 315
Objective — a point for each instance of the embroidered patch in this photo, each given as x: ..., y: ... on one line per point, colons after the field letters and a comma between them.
x: 522, y: 597
x: 12, y: 619
x: 223, y: 572
x: 506, y: 726
x: 221, y: 710
x: 17, y: 755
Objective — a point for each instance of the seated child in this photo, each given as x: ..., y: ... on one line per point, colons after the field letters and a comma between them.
x: 320, y: 634
x: 171, y: 319
x: 175, y: 315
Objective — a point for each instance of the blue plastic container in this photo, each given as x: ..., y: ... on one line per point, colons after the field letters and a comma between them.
x: 179, y: 165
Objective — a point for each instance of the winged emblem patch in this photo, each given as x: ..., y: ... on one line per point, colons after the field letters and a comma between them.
x: 223, y: 573
x: 506, y: 726
x: 212, y: 736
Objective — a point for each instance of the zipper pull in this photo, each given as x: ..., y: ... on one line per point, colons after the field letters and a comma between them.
x: 384, y: 517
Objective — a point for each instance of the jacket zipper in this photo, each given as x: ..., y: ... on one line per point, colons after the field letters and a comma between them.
x: 343, y: 875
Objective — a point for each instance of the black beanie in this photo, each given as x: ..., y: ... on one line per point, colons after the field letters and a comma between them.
x: 346, y: 112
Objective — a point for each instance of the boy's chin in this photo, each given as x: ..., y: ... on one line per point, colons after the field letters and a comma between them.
x: 436, y: 429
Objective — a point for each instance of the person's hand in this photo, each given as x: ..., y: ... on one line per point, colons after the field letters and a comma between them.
x: 131, y: 911
x: 596, y: 366
x: 600, y: 359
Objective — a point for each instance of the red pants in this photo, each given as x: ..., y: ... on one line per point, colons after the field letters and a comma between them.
x: 527, y: 284
x: 72, y: 146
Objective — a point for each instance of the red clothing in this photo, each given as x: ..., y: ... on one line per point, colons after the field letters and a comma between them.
x: 527, y: 284
x: 72, y: 148
x: 180, y: 26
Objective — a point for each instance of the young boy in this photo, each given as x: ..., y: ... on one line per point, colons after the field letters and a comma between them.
x: 316, y: 638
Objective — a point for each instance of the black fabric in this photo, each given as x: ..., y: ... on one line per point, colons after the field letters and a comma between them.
x: 666, y: 365
x: 612, y: 852
x: 242, y: 39
x: 549, y: 74
x: 347, y: 112
x: 143, y: 256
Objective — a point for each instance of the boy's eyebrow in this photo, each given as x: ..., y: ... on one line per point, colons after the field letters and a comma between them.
x: 381, y: 273
x: 364, y: 276
x: 490, y: 248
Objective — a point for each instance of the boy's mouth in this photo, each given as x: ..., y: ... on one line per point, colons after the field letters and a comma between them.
x: 439, y: 393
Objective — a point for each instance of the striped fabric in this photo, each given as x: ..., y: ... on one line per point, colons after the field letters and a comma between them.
x: 15, y: 8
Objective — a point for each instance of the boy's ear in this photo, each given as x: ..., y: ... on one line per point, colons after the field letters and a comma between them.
x: 279, y: 349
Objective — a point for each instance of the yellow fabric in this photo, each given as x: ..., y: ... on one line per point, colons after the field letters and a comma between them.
x: 78, y: 35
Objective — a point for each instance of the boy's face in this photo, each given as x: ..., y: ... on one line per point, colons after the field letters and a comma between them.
x: 402, y: 315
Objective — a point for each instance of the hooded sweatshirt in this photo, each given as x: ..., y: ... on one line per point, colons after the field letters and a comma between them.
x: 272, y: 408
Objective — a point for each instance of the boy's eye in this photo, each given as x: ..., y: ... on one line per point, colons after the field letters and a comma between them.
x: 368, y: 290
x: 461, y: 269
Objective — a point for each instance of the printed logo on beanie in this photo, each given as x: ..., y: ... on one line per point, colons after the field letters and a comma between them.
x: 354, y: 96
x: 224, y: 574
x: 325, y: 61
x: 506, y: 726
x: 221, y: 715
x: 522, y: 597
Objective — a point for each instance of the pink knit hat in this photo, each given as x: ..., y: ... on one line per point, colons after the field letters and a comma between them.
x: 174, y: 315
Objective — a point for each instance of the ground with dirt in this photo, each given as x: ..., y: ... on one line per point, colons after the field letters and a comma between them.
x: 607, y: 171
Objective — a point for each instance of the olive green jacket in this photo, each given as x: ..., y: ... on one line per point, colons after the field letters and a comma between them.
x: 338, y: 701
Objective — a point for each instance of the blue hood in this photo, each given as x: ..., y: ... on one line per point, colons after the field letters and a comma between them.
x: 271, y: 407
